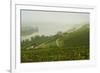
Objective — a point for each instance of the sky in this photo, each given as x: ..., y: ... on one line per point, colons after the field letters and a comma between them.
x: 50, y: 23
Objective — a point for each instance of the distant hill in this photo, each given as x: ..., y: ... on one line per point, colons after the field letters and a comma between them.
x: 77, y: 38
x: 28, y: 30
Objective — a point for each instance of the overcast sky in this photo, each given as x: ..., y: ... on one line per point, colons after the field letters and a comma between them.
x: 51, y: 22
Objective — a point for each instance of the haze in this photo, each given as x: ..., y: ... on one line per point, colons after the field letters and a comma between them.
x: 50, y: 23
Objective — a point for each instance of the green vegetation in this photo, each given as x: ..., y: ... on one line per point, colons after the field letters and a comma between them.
x: 72, y: 45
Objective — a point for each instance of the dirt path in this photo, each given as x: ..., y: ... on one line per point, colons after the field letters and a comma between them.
x: 57, y: 42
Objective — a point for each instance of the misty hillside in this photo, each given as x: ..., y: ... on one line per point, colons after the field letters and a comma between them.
x: 79, y: 37
x: 28, y: 30
x: 59, y: 47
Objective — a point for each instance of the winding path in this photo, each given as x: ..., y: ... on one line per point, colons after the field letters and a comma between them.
x: 57, y: 42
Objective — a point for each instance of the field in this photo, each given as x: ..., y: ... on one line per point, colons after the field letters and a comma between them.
x: 63, y: 46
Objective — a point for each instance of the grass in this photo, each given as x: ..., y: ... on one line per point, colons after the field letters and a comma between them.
x: 54, y: 54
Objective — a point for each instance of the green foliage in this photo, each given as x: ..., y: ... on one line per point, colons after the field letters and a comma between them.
x: 60, y: 47
x: 77, y: 38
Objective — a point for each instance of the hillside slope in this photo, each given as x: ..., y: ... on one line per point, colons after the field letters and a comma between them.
x: 60, y: 47
x: 77, y: 38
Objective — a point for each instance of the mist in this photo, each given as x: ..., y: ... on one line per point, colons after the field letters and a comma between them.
x: 50, y: 23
